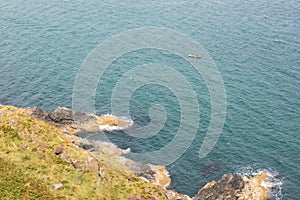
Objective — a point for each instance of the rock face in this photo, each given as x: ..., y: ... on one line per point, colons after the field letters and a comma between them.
x: 236, y: 187
x: 74, y: 122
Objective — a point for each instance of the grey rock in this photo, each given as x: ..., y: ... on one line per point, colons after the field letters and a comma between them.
x: 61, y: 115
x: 65, y: 117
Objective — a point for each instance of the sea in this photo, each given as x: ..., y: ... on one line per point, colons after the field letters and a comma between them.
x: 255, y: 46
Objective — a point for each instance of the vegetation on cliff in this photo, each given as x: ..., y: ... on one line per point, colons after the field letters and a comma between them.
x: 38, y: 160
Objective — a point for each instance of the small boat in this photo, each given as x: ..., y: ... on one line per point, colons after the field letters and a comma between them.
x: 191, y: 55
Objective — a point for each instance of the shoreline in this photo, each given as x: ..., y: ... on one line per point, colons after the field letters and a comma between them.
x: 235, y: 186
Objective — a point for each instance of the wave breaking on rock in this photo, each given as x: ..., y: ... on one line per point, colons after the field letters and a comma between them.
x: 254, y: 186
x: 73, y: 122
x: 266, y: 179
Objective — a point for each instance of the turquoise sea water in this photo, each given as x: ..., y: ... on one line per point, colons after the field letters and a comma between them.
x: 255, y: 44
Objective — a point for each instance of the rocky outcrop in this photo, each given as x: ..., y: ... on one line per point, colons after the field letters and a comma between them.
x: 107, y: 165
x: 74, y: 122
x: 235, y: 187
x: 256, y: 187
x: 112, y: 121
x: 155, y: 174
x: 150, y: 173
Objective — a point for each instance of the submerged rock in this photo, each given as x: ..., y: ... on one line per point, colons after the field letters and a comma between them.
x: 210, y: 169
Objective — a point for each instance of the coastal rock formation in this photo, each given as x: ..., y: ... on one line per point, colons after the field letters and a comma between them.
x: 150, y: 173
x: 41, y: 162
x: 74, y: 122
x: 105, y: 170
x: 112, y: 121
x: 236, y: 187
x: 256, y: 187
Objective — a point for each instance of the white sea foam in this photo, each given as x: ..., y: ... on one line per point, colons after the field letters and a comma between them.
x: 274, y: 182
x: 166, y: 172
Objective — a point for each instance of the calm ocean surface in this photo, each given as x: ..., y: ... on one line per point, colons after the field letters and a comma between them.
x: 255, y: 44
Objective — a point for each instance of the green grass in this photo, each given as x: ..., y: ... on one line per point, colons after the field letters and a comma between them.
x: 29, y: 166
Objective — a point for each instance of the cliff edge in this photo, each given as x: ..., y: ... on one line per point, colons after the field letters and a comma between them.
x: 40, y: 157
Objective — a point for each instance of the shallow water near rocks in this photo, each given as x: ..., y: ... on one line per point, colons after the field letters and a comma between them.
x: 255, y: 45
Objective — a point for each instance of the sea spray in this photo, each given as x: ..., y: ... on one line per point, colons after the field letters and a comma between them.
x: 274, y: 182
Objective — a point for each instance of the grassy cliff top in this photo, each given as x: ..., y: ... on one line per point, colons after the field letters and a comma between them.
x: 30, y: 168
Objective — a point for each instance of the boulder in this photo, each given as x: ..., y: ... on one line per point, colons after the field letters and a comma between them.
x: 61, y: 115
x: 58, y: 150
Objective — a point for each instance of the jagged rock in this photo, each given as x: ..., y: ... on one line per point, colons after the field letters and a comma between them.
x: 81, y: 121
x: 68, y: 120
x: 237, y: 182
x: 74, y: 122
x: 61, y: 115
x: 223, y: 189
x: 236, y: 187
